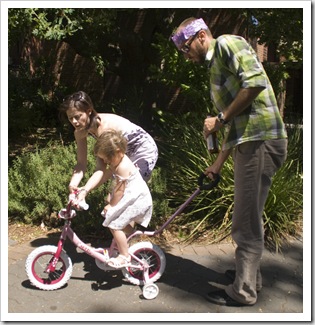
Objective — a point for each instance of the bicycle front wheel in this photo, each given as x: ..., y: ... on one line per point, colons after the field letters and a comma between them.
x: 36, y: 268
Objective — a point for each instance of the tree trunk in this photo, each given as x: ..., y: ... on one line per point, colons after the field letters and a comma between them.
x: 281, y: 97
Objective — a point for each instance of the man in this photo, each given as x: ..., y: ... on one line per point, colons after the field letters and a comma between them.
x: 242, y: 93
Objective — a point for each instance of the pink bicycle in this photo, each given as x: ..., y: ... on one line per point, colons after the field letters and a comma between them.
x: 49, y: 267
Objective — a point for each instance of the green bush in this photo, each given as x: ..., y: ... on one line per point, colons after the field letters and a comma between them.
x: 38, y: 188
x: 284, y: 205
x: 38, y: 183
x: 32, y: 103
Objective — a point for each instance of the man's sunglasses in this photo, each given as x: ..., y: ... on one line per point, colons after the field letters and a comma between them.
x: 186, y: 47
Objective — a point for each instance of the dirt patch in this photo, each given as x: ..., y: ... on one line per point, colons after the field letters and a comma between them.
x: 22, y: 233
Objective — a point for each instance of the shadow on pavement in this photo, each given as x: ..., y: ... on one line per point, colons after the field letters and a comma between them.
x: 282, y: 273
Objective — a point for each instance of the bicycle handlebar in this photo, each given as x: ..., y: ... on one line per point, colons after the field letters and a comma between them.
x: 209, y: 186
x: 82, y: 204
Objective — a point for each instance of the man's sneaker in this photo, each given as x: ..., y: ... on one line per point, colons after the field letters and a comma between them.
x: 220, y: 297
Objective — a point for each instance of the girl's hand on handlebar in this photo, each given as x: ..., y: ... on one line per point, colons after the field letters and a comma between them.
x: 81, y: 194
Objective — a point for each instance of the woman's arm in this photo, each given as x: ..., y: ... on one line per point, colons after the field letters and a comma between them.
x: 100, y: 175
x: 80, y: 168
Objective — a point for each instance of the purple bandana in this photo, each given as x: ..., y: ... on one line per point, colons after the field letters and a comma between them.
x: 188, y: 31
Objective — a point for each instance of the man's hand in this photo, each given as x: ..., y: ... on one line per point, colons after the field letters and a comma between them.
x: 211, y: 171
x: 211, y: 124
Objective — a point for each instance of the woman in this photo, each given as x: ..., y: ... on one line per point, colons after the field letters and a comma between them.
x: 141, y: 148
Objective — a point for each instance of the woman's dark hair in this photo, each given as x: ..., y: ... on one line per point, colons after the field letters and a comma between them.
x: 82, y: 102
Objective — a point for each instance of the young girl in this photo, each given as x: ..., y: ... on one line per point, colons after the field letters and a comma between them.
x: 141, y: 148
x: 130, y: 200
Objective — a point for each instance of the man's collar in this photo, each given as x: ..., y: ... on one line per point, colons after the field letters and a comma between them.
x: 210, y: 52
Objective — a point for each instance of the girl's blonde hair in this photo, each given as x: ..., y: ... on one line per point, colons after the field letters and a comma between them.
x: 109, y: 142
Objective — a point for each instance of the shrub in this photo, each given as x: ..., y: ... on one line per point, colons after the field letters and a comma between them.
x: 38, y: 182
x: 38, y: 188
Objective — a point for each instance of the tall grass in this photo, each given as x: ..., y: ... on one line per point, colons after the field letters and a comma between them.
x: 184, y: 156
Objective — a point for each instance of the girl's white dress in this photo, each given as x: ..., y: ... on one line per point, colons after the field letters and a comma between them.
x: 135, y: 205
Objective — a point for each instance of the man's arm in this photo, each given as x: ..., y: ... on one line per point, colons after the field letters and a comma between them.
x: 243, y: 99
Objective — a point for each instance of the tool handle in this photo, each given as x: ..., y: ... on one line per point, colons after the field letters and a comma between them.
x: 210, y: 185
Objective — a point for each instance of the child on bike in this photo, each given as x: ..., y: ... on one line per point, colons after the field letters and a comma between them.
x: 130, y: 199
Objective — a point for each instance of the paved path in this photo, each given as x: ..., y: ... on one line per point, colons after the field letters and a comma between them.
x: 191, y: 271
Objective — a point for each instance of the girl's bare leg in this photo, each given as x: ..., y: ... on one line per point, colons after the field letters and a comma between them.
x: 121, y: 241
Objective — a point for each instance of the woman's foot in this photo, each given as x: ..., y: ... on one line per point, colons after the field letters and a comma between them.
x: 119, y: 262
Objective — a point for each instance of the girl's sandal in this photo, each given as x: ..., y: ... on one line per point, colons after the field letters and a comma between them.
x: 119, y: 262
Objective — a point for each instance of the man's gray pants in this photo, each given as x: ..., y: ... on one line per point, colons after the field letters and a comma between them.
x: 255, y: 163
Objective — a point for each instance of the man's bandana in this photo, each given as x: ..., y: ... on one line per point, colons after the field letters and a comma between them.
x: 188, y: 31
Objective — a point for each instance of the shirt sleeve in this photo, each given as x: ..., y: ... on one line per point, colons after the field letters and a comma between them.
x: 242, y: 61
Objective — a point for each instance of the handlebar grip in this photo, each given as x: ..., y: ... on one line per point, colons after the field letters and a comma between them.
x: 209, y: 186
x: 83, y: 205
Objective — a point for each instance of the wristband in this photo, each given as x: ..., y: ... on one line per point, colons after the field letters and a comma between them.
x: 221, y: 119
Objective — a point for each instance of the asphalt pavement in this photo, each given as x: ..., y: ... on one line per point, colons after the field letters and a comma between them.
x: 191, y: 271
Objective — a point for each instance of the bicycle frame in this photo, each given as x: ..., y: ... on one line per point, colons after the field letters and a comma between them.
x: 67, y: 232
x: 97, y: 253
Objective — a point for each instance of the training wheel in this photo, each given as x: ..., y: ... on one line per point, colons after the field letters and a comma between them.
x: 150, y: 291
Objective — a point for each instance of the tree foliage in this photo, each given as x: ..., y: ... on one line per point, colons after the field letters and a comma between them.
x: 283, y: 27
x: 133, y: 44
x: 145, y: 77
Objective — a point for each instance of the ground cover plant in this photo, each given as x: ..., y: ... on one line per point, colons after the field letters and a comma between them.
x: 186, y: 156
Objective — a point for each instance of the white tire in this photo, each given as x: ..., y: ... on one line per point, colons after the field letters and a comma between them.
x: 150, y: 291
x: 37, y: 262
x: 153, y: 256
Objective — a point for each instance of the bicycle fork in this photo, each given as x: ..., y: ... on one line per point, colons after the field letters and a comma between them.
x: 53, y: 262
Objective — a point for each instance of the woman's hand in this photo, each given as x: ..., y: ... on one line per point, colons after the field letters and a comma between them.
x: 73, y: 189
x: 78, y: 197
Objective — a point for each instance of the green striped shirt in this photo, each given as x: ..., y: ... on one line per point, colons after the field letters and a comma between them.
x: 233, y: 64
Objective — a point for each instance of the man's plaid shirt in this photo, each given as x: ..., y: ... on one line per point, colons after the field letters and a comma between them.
x: 233, y: 64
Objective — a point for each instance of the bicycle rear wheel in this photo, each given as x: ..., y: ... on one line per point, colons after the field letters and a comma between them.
x: 153, y: 256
